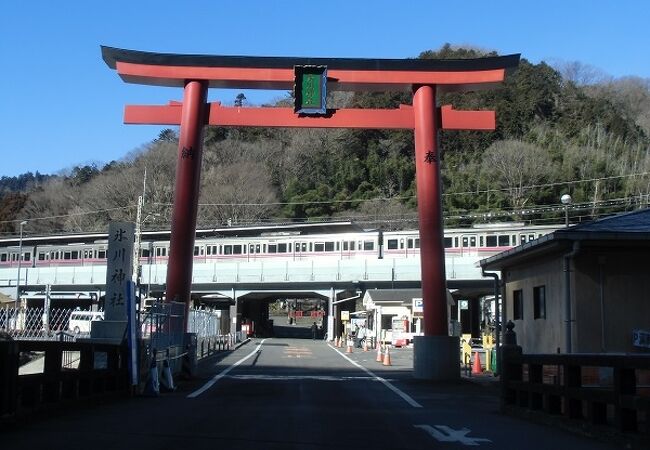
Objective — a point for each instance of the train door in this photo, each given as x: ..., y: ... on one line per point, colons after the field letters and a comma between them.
x: 300, y: 250
x: 469, y: 245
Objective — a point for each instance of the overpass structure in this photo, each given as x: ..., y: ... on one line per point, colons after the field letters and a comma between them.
x: 224, y: 284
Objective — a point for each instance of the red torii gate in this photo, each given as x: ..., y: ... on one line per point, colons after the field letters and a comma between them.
x: 436, y: 354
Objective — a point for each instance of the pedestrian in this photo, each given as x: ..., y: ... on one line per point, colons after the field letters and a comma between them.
x: 314, y: 331
x: 361, y: 336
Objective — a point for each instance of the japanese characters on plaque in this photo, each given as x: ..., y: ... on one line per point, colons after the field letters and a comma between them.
x: 119, y: 269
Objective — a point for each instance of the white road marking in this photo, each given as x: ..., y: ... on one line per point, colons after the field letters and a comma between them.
x: 216, y: 378
x: 445, y: 434
x: 407, y: 398
x: 298, y: 377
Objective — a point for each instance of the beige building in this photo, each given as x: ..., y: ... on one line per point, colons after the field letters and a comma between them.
x: 582, y: 289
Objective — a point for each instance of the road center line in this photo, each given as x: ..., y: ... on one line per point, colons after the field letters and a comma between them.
x: 407, y: 398
x: 219, y: 376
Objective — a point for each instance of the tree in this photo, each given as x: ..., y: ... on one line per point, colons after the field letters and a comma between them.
x: 516, y: 167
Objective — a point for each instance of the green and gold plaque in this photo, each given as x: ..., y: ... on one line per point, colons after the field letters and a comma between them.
x: 310, y: 90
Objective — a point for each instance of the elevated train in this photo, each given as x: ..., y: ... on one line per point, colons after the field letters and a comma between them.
x: 340, y: 240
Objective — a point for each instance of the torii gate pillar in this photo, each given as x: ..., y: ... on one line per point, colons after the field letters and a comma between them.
x: 186, y: 192
x: 436, y: 354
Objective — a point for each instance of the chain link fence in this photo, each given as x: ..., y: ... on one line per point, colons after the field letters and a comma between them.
x: 38, y: 323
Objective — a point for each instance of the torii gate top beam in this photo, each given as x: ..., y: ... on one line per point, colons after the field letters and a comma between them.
x: 352, y: 74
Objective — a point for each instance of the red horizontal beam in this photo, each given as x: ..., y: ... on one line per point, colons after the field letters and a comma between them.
x: 467, y: 120
x: 265, y: 78
x: 230, y: 116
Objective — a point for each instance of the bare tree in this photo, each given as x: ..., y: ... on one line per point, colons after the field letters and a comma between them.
x: 516, y: 166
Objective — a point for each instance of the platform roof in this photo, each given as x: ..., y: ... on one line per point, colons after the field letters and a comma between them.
x: 265, y: 72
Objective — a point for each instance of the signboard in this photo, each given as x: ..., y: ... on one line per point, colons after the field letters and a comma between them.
x: 418, y: 306
x: 310, y: 90
x: 345, y: 316
x: 641, y: 338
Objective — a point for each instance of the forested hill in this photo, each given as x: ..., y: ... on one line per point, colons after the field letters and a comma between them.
x: 558, y: 131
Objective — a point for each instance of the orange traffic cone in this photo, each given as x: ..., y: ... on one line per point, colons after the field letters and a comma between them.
x: 387, y: 357
x: 365, y: 345
x: 476, y: 366
x: 379, y: 357
x: 349, y: 348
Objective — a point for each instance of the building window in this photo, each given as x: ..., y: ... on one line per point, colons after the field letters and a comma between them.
x: 539, y: 302
x: 518, y: 305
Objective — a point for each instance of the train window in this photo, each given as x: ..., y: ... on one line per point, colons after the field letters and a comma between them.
x: 329, y: 246
x: 196, y: 250
x: 472, y: 241
x: 227, y: 249
x: 41, y: 256
x: 522, y: 238
x: 237, y: 249
x: 319, y: 247
x: 504, y: 240
x: 447, y: 242
x: 456, y: 242
x: 273, y: 248
x: 289, y: 247
x: 66, y: 255
x: 417, y: 243
x: 144, y: 253
x: 3, y: 257
x: 311, y: 246
x: 480, y: 241
x: 345, y: 246
x: 282, y: 248
x: 209, y: 250
x: 257, y: 248
x: 13, y: 256
x: 409, y: 243
x: 221, y: 249
x: 75, y: 254
x: 352, y: 247
x: 465, y: 241
x: 531, y: 237
x: 491, y: 241
x: 392, y: 244
x: 263, y: 248
x: 338, y: 246
x: 368, y: 245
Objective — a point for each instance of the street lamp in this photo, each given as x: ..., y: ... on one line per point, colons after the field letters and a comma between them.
x: 20, y: 257
x: 566, y: 201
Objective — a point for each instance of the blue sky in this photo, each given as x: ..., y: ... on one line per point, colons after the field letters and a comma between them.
x: 62, y: 106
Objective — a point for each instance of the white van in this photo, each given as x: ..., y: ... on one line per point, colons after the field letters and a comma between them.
x: 80, y: 320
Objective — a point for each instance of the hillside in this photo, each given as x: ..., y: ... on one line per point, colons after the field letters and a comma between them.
x: 555, y: 134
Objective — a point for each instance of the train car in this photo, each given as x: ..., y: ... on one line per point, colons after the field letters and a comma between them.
x: 271, y: 243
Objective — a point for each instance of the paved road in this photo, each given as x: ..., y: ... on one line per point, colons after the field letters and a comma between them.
x: 298, y: 394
